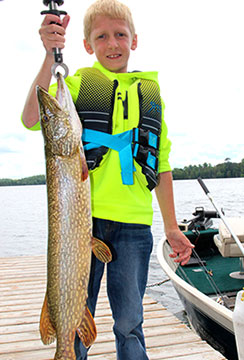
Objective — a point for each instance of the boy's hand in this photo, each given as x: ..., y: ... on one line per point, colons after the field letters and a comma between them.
x: 181, y: 246
x: 52, y: 32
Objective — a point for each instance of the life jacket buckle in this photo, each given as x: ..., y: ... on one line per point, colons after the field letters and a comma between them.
x: 145, y: 138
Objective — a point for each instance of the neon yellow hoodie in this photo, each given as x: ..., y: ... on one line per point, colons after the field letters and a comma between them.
x: 111, y: 199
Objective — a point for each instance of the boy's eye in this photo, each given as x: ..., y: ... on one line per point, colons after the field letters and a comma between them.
x: 101, y: 36
x: 120, y: 34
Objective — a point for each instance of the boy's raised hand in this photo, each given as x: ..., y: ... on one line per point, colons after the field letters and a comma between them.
x: 52, y: 32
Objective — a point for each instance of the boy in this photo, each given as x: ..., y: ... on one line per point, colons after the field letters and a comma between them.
x: 110, y: 100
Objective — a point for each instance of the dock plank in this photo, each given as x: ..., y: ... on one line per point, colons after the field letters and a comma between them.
x: 22, y: 289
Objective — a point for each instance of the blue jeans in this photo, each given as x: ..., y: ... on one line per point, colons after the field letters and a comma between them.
x: 126, y: 283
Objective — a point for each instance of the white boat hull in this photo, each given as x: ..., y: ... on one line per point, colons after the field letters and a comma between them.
x: 208, y: 317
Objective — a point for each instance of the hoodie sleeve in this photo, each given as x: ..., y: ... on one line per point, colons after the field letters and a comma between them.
x: 164, y: 147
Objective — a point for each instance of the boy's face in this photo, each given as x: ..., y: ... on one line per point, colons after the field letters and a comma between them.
x: 111, y: 41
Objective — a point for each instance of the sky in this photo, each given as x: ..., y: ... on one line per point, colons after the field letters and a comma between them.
x: 196, y: 46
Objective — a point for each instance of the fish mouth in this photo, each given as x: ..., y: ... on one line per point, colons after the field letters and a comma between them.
x: 42, y: 96
x: 63, y: 95
x: 60, y: 88
x: 40, y: 92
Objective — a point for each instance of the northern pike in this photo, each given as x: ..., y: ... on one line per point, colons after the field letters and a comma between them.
x: 70, y: 240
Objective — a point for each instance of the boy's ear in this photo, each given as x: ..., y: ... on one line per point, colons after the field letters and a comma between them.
x: 88, y: 47
x: 134, y: 43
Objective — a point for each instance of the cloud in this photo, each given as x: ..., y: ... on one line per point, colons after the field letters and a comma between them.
x: 6, y: 149
x: 11, y: 142
x: 189, y: 151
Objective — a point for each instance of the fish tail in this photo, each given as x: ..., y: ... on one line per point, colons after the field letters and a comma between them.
x: 47, y: 331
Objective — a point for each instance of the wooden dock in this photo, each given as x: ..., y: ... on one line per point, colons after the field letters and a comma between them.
x: 22, y: 288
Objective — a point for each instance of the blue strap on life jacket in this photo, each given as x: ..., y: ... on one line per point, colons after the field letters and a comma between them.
x: 118, y: 142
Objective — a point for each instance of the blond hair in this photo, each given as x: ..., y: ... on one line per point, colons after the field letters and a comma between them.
x: 112, y: 8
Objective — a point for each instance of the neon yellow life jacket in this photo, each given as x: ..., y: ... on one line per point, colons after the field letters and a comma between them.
x: 95, y: 105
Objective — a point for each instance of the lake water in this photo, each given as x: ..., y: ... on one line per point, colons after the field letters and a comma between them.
x: 23, y: 223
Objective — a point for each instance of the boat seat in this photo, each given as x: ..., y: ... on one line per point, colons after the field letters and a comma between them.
x: 225, y: 242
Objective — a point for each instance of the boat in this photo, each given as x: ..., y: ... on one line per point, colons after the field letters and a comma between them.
x: 208, y: 285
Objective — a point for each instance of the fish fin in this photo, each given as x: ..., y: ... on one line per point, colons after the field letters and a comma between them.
x: 47, y: 331
x: 83, y: 165
x: 87, y: 331
x: 101, y: 250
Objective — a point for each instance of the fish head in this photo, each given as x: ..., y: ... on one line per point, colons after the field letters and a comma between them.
x: 60, y: 123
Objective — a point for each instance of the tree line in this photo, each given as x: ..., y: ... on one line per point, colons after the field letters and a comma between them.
x: 227, y: 169
x: 31, y: 180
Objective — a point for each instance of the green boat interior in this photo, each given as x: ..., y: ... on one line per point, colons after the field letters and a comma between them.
x: 211, y: 266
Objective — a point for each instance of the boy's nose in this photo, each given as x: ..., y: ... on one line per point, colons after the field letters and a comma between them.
x: 112, y: 43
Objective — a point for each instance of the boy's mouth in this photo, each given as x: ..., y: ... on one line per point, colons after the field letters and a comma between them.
x: 115, y: 56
